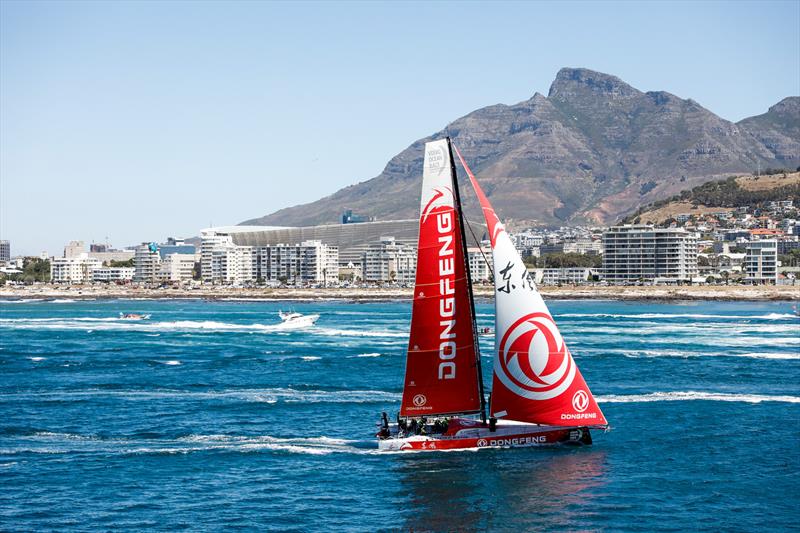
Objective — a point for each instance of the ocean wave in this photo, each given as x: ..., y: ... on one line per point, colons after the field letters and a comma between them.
x: 273, y: 395
x: 359, y: 333
x: 106, y: 324
x: 695, y: 395
x: 685, y: 354
x: 372, y: 354
x: 645, y: 316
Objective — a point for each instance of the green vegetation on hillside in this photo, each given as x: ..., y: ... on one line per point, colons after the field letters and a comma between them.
x: 723, y: 193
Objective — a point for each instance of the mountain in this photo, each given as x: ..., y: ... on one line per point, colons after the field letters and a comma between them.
x: 592, y: 150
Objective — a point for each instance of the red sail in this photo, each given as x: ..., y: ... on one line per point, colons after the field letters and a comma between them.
x: 441, y: 371
x: 535, y: 377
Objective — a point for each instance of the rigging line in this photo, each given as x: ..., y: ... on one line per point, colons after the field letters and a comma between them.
x: 480, y: 248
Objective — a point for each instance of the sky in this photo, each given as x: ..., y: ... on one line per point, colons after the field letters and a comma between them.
x: 135, y: 121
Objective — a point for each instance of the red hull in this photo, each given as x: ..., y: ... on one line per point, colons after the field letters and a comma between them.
x: 480, y: 436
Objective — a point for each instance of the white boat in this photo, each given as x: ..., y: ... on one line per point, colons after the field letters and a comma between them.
x: 133, y: 316
x: 297, y: 320
x: 539, y: 396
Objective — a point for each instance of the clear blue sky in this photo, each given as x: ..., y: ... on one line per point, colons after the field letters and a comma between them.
x: 140, y: 120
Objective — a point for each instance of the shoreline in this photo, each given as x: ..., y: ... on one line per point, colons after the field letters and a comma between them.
x: 571, y: 292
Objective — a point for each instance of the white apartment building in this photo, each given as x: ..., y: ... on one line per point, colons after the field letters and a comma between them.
x: 231, y: 264
x: 567, y: 276
x: 112, y: 274
x: 310, y: 262
x: 147, y: 263
x: 480, y: 264
x: 177, y: 267
x: 73, y: 269
x: 642, y: 252
x: 761, y: 261
x: 388, y: 260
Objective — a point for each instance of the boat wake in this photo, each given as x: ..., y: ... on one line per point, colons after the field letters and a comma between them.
x: 65, y: 443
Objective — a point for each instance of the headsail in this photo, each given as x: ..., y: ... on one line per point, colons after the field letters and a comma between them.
x: 535, y: 377
x: 441, y: 371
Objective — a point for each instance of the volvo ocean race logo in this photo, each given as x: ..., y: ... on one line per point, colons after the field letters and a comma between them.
x: 534, y: 361
x: 436, y: 160
x: 580, y: 401
x: 481, y: 443
x: 419, y: 400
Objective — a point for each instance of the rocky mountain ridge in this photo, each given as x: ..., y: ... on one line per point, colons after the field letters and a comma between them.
x: 593, y: 150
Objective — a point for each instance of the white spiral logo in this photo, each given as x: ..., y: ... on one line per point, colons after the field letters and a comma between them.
x: 533, y: 360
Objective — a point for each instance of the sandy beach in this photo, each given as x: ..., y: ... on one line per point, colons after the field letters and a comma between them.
x: 721, y: 293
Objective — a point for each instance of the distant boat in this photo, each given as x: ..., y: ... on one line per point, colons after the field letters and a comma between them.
x: 485, y: 332
x: 133, y: 316
x: 538, y: 394
x: 297, y: 320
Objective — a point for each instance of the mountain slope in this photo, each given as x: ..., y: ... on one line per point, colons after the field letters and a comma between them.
x: 594, y: 149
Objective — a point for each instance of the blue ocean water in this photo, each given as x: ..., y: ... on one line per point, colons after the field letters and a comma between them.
x: 211, y: 416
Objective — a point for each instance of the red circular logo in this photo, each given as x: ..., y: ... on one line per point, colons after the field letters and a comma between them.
x: 533, y: 359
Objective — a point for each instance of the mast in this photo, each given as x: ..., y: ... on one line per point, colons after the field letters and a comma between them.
x: 459, y: 210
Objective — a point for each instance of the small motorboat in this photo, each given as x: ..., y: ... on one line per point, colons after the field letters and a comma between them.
x: 133, y: 316
x: 485, y: 332
x: 297, y: 320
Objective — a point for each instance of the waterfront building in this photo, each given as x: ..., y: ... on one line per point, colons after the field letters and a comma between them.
x: 761, y: 262
x: 112, y: 274
x: 177, y: 267
x: 147, y: 263
x: 74, y: 269
x: 568, y: 276
x: 231, y: 264
x: 389, y: 260
x: 5, y: 251
x: 642, y: 252
x: 223, y: 261
x: 309, y: 262
x: 480, y: 263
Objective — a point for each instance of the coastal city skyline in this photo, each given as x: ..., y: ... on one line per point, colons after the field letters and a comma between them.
x: 123, y: 110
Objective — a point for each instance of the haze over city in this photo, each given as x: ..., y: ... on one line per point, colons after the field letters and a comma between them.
x: 136, y: 121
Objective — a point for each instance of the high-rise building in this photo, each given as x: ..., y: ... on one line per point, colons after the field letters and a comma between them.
x: 222, y: 261
x: 147, y: 263
x: 761, y: 261
x: 77, y: 269
x: 641, y: 252
x: 310, y: 262
x: 5, y: 251
x: 480, y: 264
x: 388, y: 260
x: 177, y: 267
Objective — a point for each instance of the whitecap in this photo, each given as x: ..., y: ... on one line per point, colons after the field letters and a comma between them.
x: 696, y: 395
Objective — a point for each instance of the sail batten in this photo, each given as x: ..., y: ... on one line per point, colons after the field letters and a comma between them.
x: 535, y: 378
x: 442, y: 376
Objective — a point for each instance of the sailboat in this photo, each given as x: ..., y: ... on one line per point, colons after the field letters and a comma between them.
x: 538, y: 397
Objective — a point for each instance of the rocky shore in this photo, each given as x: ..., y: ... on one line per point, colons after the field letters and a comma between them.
x: 582, y: 292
